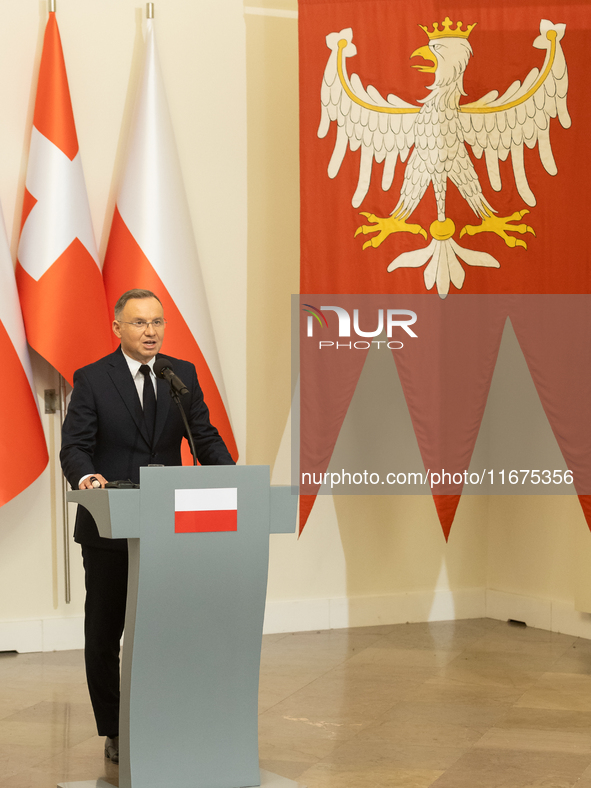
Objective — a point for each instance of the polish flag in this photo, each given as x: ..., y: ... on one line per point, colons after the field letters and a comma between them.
x: 152, y: 247
x: 23, y: 452
x: 206, y: 510
x: 58, y: 273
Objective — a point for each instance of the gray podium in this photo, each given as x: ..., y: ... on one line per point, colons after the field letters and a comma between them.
x: 194, y: 621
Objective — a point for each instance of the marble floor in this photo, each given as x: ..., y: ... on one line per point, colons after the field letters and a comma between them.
x: 465, y: 704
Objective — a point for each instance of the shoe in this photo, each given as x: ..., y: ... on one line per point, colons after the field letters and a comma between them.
x: 112, y: 749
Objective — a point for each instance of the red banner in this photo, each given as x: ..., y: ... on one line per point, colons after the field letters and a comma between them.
x: 443, y: 150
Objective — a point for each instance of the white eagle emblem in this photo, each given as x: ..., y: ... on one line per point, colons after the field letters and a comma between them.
x: 439, y: 130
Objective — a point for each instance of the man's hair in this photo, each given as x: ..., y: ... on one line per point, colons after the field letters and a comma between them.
x: 120, y: 305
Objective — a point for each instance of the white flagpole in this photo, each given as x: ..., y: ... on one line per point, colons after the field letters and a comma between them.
x: 65, y: 509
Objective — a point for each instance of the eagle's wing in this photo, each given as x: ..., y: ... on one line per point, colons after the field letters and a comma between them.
x: 501, y: 125
x: 382, y: 128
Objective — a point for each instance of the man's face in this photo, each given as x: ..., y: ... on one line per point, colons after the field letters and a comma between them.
x: 140, y: 343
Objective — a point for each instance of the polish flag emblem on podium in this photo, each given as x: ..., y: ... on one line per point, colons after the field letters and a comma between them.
x: 206, y: 510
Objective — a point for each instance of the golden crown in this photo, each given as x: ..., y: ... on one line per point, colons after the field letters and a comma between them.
x: 446, y: 31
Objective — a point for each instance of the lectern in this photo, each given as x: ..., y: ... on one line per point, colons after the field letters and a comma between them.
x: 198, y: 561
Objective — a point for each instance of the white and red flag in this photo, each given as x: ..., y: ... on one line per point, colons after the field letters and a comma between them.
x: 151, y: 245
x: 23, y: 452
x: 212, y: 509
x: 58, y: 273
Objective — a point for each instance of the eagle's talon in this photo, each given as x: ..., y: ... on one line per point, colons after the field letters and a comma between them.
x: 365, y: 229
x: 523, y: 228
x: 501, y: 225
x: 384, y: 226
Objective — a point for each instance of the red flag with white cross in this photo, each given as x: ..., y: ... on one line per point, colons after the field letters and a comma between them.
x: 58, y: 273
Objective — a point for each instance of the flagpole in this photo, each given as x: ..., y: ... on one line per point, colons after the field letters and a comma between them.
x: 65, y: 509
x: 149, y: 10
x: 51, y: 6
x: 53, y: 137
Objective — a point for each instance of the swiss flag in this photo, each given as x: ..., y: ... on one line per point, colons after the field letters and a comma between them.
x: 58, y: 273
x: 151, y: 245
x: 214, y: 509
x: 23, y: 452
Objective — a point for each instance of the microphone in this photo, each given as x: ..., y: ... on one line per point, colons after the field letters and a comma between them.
x: 163, y: 369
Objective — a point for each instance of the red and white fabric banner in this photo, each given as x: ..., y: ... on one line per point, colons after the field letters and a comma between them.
x: 151, y: 245
x: 214, y: 509
x: 58, y: 272
x: 23, y: 452
x: 445, y: 155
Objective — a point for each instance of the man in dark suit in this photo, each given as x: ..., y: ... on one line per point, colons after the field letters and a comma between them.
x: 121, y: 417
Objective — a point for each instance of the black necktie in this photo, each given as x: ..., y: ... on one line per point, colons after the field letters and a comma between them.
x: 148, y: 401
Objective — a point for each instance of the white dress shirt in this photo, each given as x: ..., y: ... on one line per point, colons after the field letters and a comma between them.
x: 138, y: 377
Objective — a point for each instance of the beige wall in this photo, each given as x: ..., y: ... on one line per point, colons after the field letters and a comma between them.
x: 532, y: 545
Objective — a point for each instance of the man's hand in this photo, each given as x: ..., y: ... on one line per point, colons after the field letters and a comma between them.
x: 90, y: 482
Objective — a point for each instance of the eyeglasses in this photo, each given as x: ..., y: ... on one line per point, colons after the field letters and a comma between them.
x: 141, y: 325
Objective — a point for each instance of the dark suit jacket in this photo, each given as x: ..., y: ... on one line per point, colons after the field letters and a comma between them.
x: 104, y: 431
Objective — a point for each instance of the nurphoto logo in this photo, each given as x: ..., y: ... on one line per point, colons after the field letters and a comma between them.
x: 389, y: 319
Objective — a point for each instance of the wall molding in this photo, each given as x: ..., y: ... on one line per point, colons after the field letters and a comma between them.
x: 42, y: 634
x: 276, y: 12
x: 553, y: 615
x: 305, y: 615
x: 417, y: 606
x: 300, y: 615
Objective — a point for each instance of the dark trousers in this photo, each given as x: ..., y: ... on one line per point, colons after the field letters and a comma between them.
x: 104, y: 617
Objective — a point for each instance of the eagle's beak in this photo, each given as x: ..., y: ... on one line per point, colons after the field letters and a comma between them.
x: 426, y: 54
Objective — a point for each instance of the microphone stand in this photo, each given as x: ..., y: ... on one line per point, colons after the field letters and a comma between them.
x: 176, y: 397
